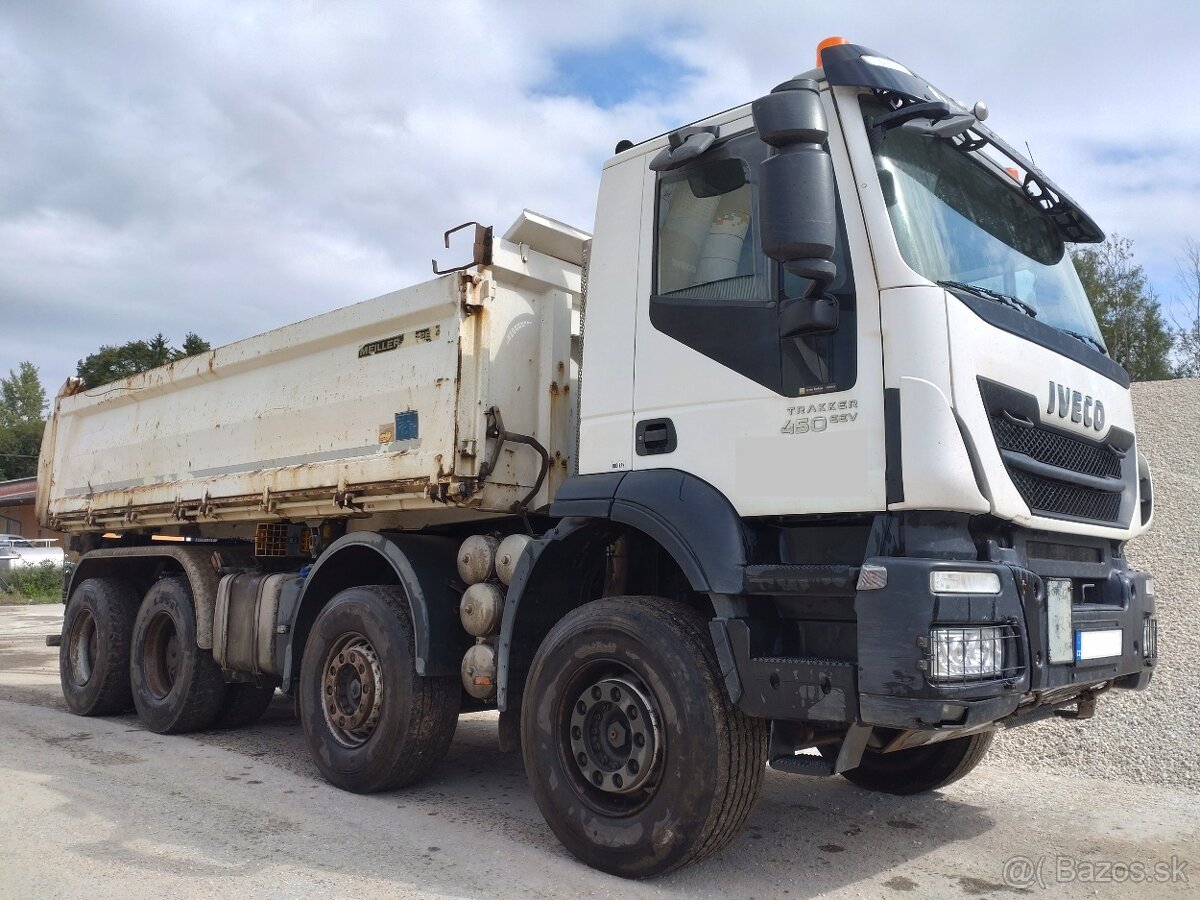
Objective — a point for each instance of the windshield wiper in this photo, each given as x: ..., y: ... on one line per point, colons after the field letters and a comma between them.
x: 1087, y: 339
x: 1018, y: 304
x: 989, y: 294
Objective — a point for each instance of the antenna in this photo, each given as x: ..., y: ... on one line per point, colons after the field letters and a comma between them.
x: 1030, y: 152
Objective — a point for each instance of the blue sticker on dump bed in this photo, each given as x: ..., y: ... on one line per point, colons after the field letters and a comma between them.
x: 407, y: 426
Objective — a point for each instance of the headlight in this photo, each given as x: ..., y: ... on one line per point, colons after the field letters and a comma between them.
x: 967, y: 654
x: 964, y: 582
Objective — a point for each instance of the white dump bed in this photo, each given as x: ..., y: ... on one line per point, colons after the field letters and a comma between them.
x: 378, y: 411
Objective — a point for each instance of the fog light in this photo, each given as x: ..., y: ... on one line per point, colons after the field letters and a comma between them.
x: 1149, y: 587
x: 964, y: 582
x: 966, y: 654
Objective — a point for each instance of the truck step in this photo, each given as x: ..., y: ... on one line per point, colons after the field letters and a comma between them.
x: 797, y: 578
x: 803, y: 764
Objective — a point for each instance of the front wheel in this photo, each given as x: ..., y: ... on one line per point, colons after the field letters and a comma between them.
x: 918, y: 769
x: 371, y: 722
x: 637, y: 759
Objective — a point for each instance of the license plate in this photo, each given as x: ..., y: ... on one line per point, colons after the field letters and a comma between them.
x: 1097, y: 644
x: 1059, y: 637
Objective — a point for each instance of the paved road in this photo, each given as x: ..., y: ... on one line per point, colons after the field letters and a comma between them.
x: 104, y: 808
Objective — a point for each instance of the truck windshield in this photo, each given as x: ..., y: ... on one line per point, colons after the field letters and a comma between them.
x: 958, y: 220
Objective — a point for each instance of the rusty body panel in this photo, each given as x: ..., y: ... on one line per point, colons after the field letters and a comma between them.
x: 376, y: 412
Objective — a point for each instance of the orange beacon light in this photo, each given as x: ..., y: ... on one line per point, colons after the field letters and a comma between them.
x: 829, y: 42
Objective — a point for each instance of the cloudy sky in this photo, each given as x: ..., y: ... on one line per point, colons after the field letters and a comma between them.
x: 228, y: 167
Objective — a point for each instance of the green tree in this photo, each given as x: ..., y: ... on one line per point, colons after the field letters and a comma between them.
x: 193, y: 344
x: 1126, y: 307
x: 1187, y: 334
x: 19, y: 448
x: 22, y: 397
x: 22, y: 405
x: 112, y: 363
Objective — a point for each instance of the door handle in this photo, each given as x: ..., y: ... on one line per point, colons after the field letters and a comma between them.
x: 655, y: 436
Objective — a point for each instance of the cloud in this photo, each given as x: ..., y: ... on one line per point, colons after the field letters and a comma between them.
x: 226, y: 168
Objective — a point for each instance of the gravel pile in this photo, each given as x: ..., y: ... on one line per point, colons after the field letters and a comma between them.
x: 1152, y: 737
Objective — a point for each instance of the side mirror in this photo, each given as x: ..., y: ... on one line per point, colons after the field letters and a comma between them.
x: 797, y: 197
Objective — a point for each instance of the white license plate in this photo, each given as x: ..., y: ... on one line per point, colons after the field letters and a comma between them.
x: 1097, y: 644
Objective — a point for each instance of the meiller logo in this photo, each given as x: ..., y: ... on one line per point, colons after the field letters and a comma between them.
x: 1080, y: 407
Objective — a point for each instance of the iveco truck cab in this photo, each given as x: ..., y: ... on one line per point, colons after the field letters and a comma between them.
x: 866, y: 389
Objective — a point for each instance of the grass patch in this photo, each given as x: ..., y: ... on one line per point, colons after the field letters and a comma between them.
x: 42, y: 583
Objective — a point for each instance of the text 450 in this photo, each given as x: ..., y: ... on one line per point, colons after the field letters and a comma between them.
x: 816, y: 423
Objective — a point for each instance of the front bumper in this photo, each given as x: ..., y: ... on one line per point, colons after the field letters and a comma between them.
x: 891, y: 685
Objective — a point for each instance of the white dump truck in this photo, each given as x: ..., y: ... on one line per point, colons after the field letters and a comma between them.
x: 811, y: 457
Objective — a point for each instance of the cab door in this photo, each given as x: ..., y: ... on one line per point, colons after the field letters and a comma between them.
x: 779, y: 425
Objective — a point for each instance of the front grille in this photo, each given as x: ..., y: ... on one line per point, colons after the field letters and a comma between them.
x: 1056, y: 449
x: 1016, y: 426
x: 1065, y: 499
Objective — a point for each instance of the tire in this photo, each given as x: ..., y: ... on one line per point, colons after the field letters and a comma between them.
x: 919, y: 769
x: 386, y: 726
x: 93, y: 655
x: 177, y: 687
x: 699, y: 760
x: 244, y: 705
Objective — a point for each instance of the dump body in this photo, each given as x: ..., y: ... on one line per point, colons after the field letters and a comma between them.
x: 379, y: 411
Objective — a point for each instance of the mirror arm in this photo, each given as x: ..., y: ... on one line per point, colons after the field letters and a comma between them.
x: 685, y: 144
x: 800, y: 317
x: 821, y: 272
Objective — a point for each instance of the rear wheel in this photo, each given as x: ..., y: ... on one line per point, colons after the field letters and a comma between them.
x: 177, y: 686
x: 93, y: 655
x: 371, y: 722
x: 918, y: 769
x: 637, y: 759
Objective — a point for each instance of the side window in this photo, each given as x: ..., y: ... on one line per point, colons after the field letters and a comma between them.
x: 717, y: 292
x: 706, y: 246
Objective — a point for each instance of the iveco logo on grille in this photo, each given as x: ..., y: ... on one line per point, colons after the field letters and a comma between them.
x: 1080, y: 407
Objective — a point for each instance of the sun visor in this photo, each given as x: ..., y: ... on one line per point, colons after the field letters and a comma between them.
x: 853, y: 65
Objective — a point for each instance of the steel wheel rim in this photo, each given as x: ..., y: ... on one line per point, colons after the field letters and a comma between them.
x: 83, y: 647
x: 352, y: 690
x: 612, y: 740
x: 161, y: 656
